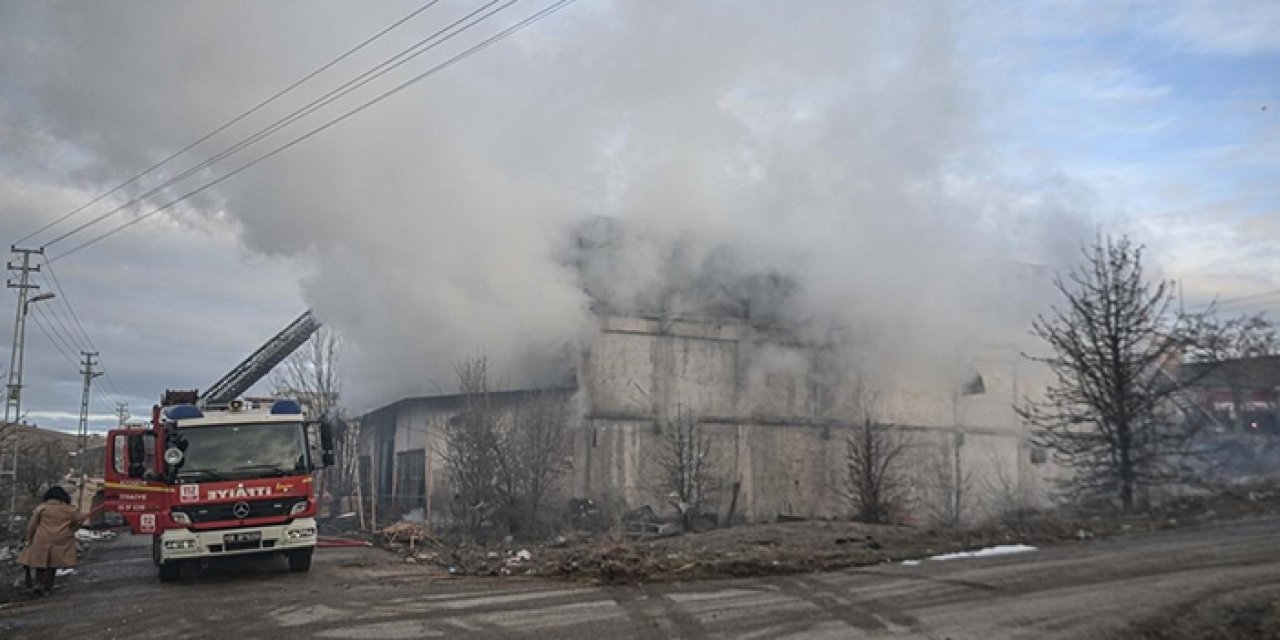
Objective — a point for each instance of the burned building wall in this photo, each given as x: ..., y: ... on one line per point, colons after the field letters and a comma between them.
x: 767, y: 405
x: 764, y: 402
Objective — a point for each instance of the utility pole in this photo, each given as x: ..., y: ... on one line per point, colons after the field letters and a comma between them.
x: 122, y: 412
x: 9, y: 429
x: 89, y: 375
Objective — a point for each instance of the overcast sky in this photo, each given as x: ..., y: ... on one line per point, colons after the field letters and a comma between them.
x: 428, y: 225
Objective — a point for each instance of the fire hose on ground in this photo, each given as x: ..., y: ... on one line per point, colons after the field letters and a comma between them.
x: 340, y: 543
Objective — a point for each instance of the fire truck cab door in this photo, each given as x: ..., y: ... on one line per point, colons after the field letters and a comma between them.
x: 129, y: 489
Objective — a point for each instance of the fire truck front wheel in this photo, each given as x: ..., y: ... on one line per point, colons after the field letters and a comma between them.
x: 300, y: 560
x: 169, y: 571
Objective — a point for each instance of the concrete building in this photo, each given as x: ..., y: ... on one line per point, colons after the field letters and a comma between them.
x: 770, y: 407
x: 714, y: 341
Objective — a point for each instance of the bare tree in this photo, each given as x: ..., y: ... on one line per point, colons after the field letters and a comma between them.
x: 471, y: 442
x: 875, y: 477
x: 690, y: 476
x: 948, y: 483
x: 1106, y: 414
x: 503, y: 457
x: 532, y: 444
x: 45, y: 461
x: 312, y: 375
x: 1011, y: 500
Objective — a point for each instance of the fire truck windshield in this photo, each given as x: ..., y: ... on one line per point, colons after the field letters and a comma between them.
x: 244, y: 451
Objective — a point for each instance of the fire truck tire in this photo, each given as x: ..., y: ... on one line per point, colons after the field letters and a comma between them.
x: 300, y: 560
x: 170, y: 572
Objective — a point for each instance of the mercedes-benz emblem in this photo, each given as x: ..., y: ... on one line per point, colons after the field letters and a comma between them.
x: 240, y: 510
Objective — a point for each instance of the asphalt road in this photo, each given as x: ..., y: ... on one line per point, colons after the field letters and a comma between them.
x: 1086, y: 590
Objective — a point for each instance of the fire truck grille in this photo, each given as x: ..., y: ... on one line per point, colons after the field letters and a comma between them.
x: 257, y: 509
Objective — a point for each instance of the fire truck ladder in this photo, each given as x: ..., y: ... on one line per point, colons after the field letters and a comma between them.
x: 261, y: 362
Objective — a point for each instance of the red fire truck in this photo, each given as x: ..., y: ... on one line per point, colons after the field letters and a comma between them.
x: 212, y: 481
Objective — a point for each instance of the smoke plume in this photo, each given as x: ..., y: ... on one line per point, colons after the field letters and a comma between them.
x: 819, y: 165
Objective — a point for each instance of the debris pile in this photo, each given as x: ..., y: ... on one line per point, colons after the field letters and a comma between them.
x: 409, y: 533
x: 744, y: 551
x: 645, y: 521
x: 648, y: 548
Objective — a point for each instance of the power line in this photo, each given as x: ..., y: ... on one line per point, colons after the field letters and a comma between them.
x: 346, y: 88
x: 66, y: 303
x: 40, y: 324
x: 105, y: 405
x: 59, y: 327
x: 58, y: 342
x: 1248, y: 299
x: 61, y: 341
x: 116, y: 393
x: 233, y: 121
x: 61, y: 345
x: 549, y: 10
x: 59, y: 334
x: 1235, y: 301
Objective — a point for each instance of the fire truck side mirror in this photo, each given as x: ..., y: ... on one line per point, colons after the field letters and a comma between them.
x: 326, y: 443
x: 137, y: 455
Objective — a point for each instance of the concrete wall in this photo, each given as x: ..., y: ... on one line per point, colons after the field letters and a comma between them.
x: 760, y: 399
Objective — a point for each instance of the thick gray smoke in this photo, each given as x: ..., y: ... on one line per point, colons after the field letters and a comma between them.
x: 819, y: 164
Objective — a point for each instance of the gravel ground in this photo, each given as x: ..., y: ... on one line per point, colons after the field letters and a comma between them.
x: 1093, y: 589
x: 1239, y: 612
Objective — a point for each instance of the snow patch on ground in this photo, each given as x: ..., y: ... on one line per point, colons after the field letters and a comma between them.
x: 1000, y: 550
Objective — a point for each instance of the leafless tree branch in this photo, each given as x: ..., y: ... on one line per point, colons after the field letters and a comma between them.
x: 1110, y: 412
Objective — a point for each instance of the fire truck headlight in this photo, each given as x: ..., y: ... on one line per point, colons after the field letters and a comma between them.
x: 298, y: 507
x: 179, y: 544
x: 296, y: 534
x: 172, y: 455
x: 181, y: 517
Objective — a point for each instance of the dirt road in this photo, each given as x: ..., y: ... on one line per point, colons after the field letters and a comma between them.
x: 1087, y: 590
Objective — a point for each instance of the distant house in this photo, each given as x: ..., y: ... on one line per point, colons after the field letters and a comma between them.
x: 1237, y: 395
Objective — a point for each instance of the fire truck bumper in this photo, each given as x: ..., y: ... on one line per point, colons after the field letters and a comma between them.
x: 182, y: 544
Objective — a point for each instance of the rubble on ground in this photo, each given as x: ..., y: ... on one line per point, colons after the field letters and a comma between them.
x: 741, y: 551
x: 646, y: 549
x: 748, y: 550
x: 410, y: 533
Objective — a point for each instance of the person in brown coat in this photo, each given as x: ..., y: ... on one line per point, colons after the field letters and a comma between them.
x: 51, y: 541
